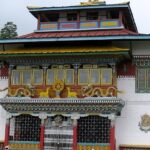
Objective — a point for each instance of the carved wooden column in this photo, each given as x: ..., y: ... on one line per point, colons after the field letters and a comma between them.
x: 7, y: 129
x: 42, y: 116
x: 75, y: 118
x: 112, y: 132
x: 76, y: 67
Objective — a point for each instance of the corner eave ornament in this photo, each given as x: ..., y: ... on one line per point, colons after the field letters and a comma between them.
x: 145, y: 123
x: 92, y: 2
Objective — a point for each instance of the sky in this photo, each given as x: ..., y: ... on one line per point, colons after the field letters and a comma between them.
x: 17, y: 12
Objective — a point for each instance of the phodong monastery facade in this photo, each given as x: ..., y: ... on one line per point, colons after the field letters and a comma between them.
x: 79, y: 81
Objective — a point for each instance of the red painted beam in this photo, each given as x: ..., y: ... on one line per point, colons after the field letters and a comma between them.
x: 112, y: 138
x: 42, y: 137
x: 75, y: 138
x: 7, y: 128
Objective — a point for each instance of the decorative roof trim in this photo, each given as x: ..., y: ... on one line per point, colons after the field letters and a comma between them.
x: 37, y: 9
x: 92, y: 100
x: 100, y: 38
x: 103, y: 105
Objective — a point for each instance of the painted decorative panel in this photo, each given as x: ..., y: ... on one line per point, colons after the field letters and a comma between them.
x: 109, y: 23
x: 90, y: 24
x: 68, y: 25
x: 48, y: 26
x: 24, y: 145
x: 91, y: 146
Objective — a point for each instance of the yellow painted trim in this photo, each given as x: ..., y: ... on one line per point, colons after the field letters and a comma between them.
x: 91, y: 77
x: 102, y: 79
x: 66, y: 77
x: 79, y: 76
x: 65, y: 49
x: 34, y: 75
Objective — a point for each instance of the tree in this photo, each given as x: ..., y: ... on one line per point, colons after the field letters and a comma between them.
x: 9, y: 31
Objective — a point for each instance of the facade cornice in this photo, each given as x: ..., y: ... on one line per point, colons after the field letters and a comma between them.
x: 101, y: 105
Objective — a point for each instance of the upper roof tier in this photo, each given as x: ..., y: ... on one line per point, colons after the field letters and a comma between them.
x: 92, y: 15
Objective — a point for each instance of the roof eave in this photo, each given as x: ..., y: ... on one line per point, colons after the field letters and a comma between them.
x: 77, y: 7
x: 98, y: 38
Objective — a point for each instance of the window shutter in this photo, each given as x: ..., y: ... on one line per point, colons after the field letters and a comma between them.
x: 141, y: 79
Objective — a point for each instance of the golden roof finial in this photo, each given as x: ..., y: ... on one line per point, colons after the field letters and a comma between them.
x: 92, y: 2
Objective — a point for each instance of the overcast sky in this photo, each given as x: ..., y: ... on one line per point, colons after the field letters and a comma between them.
x: 16, y: 11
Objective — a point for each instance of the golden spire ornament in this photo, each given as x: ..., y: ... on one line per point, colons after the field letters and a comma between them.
x: 92, y: 2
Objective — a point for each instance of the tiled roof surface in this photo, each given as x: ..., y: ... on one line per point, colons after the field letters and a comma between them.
x: 66, y: 34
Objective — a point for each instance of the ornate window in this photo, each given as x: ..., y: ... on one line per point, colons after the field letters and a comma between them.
x: 60, y: 75
x: 16, y: 77
x: 37, y: 76
x: 93, y: 129
x: 92, y: 16
x: 95, y: 76
x: 50, y: 76
x: 66, y: 75
x: 106, y: 76
x: 143, y: 80
x: 25, y: 128
x: 101, y: 76
x: 72, y: 16
x: 83, y: 76
x: 69, y: 76
x: 26, y: 77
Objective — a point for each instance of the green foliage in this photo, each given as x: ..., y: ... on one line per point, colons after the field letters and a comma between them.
x: 9, y: 31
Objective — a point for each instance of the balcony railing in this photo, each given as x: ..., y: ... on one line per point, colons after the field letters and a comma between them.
x: 82, y: 25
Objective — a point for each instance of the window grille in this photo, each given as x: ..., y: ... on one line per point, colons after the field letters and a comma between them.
x: 27, y: 128
x: 93, y: 129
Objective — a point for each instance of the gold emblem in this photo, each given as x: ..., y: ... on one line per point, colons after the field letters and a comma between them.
x: 145, y: 123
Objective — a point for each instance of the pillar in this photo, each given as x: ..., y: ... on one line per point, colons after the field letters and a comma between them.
x: 75, y: 122
x: 7, y: 129
x: 112, y: 133
x: 42, y: 116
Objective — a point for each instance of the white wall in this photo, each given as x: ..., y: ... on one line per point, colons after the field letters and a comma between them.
x: 127, y: 125
x: 3, y: 84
